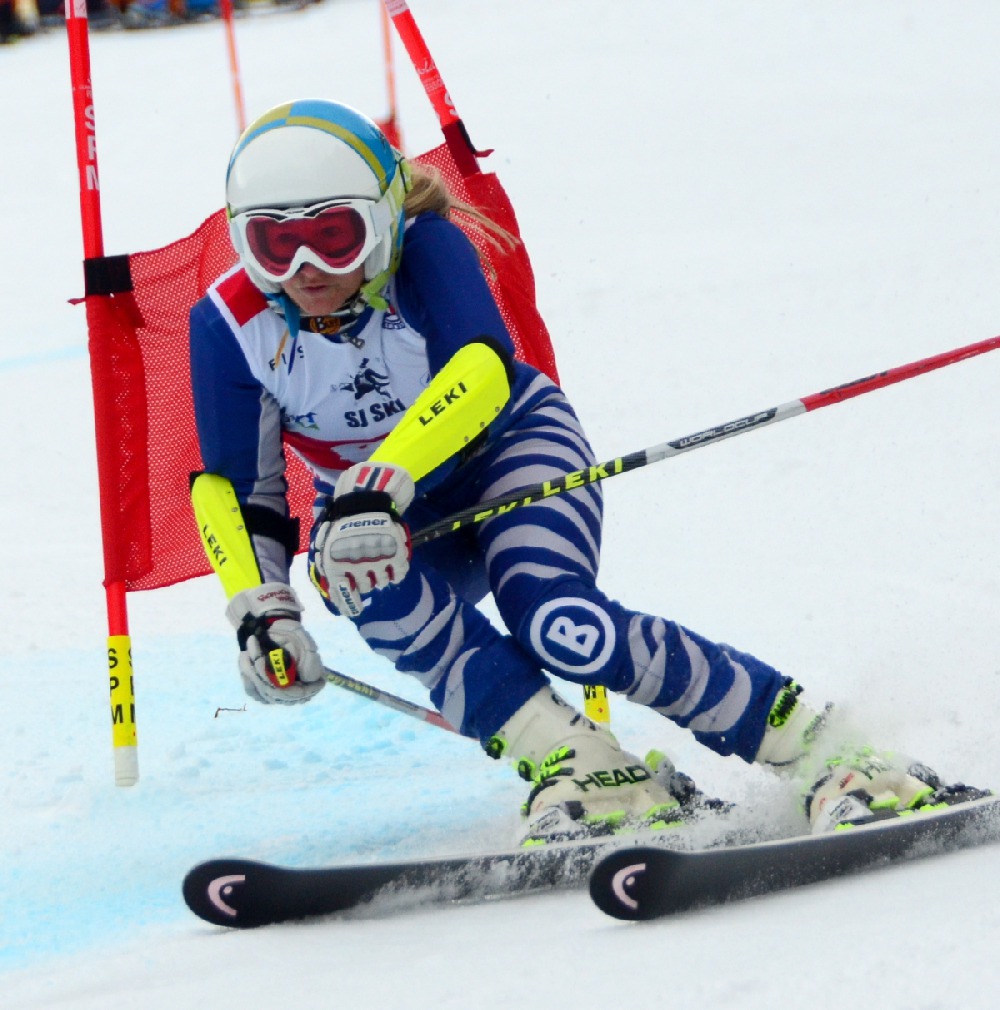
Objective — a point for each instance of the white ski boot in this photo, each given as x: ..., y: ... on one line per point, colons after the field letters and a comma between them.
x: 584, y: 783
x: 854, y: 786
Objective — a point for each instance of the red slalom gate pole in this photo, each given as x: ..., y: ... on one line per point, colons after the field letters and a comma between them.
x: 86, y: 133
x: 455, y: 134
x: 119, y: 643
x: 464, y: 153
x: 226, y: 10
x: 390, y: 125
x: 423, y: 62
x: 751, y: 422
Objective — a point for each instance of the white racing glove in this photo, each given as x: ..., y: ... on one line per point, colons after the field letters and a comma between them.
x: 279, y: 662
x: 361, y: 543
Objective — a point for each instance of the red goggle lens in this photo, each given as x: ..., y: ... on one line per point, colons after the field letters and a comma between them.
x: 338, y: 235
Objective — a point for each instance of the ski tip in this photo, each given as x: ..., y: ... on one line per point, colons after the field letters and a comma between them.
x: 213, y: 891
x: 622, y: 887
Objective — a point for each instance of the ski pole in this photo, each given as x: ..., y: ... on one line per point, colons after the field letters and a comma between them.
x: 373, y: 693
x: 230, y: 552
x: 633, y: 461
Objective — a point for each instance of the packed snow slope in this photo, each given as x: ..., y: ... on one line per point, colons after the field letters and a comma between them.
x: 729, y: 205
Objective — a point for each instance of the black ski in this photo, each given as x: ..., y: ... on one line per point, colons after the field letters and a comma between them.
x: 647, y: 883
x: 243, y: 893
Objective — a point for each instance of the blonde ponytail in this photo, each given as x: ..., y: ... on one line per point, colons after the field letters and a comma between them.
x: 429, y: 192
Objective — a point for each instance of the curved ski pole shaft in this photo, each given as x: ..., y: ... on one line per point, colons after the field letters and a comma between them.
x: 386, y: 699
x: 623, y: 464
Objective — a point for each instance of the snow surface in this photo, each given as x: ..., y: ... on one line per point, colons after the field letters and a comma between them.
x: 729, y: 205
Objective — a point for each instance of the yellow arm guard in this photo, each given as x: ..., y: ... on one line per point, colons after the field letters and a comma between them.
x: 461, y: 400
x: 227, y: 544
x: 224, y: 534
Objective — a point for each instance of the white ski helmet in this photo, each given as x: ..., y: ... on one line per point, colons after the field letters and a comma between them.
x: 315, y: 152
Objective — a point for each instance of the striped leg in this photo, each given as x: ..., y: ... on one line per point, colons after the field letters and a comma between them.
x: 542, y: 564
x: 476, y: 676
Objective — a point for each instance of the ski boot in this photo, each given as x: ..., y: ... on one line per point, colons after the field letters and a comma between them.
x: 855, y: 786
x: 583, y: 784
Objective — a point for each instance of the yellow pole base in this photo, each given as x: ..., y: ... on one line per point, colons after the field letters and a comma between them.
x: 123, y: 732
x: 595, y: 704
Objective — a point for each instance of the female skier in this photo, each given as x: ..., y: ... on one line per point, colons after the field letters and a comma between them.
x: 359, y: 329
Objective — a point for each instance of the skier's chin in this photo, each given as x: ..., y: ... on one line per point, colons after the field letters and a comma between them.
x: 320, y: 302
x: 321, y: 294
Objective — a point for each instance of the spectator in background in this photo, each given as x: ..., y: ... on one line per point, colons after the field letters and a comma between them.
x: 17, y: 19
x: 50, y: 13
x: 7, y: 33
x: 101, y: 14
x: 166, y: 13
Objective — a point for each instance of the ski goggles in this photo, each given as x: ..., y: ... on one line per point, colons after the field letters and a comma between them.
x: 336, y: 236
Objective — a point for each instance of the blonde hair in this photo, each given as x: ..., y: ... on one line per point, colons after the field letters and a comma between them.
x: 429, y: 192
